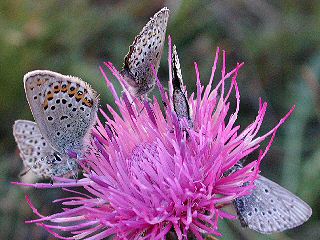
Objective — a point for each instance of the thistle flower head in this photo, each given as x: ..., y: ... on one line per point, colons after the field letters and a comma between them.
x: 146, y: 176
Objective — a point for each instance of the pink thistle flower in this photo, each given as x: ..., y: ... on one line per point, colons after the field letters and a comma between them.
x: 145, y: 177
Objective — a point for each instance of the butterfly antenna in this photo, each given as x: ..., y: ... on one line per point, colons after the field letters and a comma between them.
x: 24, y: 172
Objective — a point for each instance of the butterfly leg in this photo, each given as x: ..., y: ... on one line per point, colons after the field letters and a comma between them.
x: 74, y: 173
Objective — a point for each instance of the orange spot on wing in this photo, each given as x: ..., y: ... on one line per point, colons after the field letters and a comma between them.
x: 45, y: 104
x: 57, y: 88
x: 49, y: 96
x: 40, y: 82
x: 78, y: 98
x: 64, y: 87
x: 72, y: 92
x: 87, y: 102
x: 79, y: 95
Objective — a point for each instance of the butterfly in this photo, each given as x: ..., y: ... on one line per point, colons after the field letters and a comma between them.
x: 270, y: 208
x: 65, y: 110
x: 37, y: 154
x: 180, y: 102
x: 145, y: 50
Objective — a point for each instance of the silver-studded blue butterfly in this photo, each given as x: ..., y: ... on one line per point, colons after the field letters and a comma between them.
x: 65, y: 110
x: 145, y: 50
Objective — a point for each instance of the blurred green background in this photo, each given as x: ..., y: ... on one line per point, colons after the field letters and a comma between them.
x: 279, y: 41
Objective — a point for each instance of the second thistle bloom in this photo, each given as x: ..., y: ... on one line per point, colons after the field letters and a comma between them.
x: 146, y: 175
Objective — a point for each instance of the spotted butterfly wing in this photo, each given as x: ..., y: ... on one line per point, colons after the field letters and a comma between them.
x: 271, y: 208
x: 64, y: 108
x: 145, y: 50
x: 37, y: 154
x: 180, y: 102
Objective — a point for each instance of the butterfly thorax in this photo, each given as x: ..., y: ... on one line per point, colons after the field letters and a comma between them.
x: 138, y: 86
